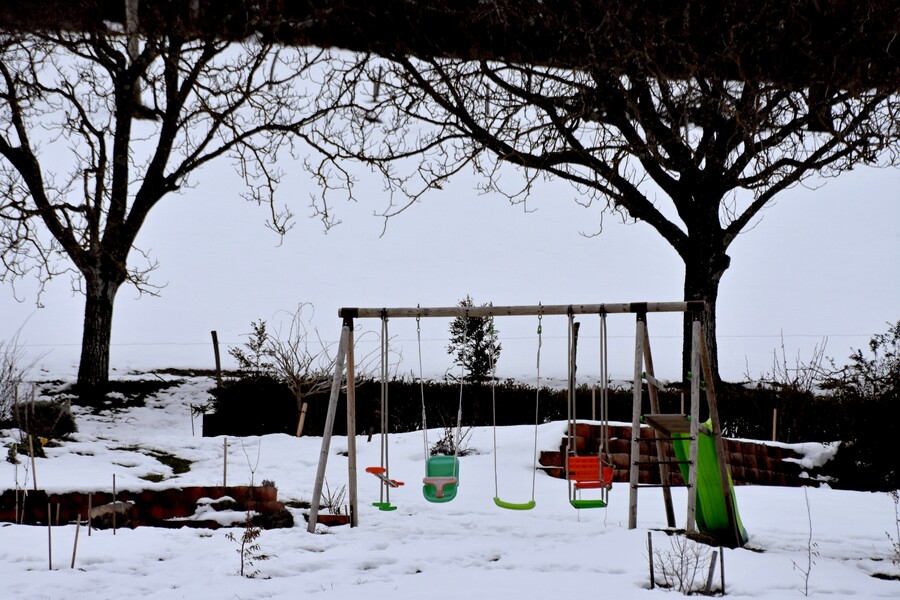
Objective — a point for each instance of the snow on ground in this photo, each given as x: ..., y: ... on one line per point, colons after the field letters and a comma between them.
x: 464, y: 548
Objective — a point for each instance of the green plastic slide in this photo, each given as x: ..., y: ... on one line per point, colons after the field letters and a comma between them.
x: 441, y: 478
x: 712, y: 518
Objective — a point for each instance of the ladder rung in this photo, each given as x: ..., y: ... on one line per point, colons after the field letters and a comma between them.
x: 669, y: 423
x: 661, y: 462
x: 663, y: 439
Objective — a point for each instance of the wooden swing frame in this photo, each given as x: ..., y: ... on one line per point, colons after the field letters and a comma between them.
x: 699, y: 360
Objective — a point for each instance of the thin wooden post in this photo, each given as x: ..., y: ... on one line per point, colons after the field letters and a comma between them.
x: 712, y: 572
x: 75, y: 546
x: 115, y: 503
x: 774, y: 424
x: 353, y: 498
x: 652, y: 392
x: 225, y: 462
x: 635, y: 474
x: 49, y: 539
x: 302, y: 420
x: 215, y: 340
x: 722, y: 568
x: 593, y: 403
x: 650, y: 558
x: 33, y: 465
x: 89, y: 520
x: 329, y: 429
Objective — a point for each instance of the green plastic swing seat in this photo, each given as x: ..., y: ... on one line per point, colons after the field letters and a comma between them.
x: 587, y: 503
x: 441, y: 478
x: 514, y: 505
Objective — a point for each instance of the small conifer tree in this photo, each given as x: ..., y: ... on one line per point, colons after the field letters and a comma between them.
x: 473, y: 343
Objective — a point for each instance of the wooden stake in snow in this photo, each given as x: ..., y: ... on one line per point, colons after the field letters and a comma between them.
x: 115, y: 504
x: 712, y: 571
x: 49, y: 539
x: 225, y: 462
x: 774, y: 424
x: 650, y: 556
x: 90, y: 498
x: 302, y: 419
x: 215, y: 339
x: 33, y: 468
x: 722, y: 567
x: 75, y: 547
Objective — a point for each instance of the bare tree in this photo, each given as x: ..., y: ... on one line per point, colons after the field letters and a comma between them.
x: 97, y: 127
x: 696, y: 158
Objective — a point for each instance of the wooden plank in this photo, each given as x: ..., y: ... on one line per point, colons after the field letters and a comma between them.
x: 329, y: 429
x: 352, y: 493
x: 691, y: 525
x: 635, y: 474
x: 668, y: 423
x: 532, y: 310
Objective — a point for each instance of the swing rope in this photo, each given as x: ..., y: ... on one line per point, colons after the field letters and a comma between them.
x: 462, y: 382
x: 385, y: 459
x: 422, y: 386
x: 384, y: 389
x: 442, y: 471
x: 382, y: 472
x: 604, y: 389
x: 585, y: 472
x: 531, y: 503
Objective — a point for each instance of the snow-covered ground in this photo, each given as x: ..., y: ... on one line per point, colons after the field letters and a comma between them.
x: 464, y: 548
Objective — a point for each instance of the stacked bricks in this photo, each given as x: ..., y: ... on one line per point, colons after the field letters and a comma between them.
x: 150, y: 507
x: 750, y: 462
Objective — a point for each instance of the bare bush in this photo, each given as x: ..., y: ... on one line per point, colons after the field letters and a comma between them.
x: 333, y: 500
x: 895, y: 541
x: 683, y: 566
x: 454, y: 442
x: 14, y: 368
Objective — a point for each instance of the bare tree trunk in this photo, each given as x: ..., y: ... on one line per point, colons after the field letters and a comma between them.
x: 93, y: 372
x: 702, y: 276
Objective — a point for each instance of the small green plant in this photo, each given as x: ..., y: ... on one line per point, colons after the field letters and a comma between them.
x: 473, y: 343
x: 249, y: 548
x: 12, y: 453
x: 255, y: 358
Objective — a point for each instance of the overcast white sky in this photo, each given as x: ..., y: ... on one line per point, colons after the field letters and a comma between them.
x: 821, y: 263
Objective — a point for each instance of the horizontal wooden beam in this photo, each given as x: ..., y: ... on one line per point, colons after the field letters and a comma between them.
x: 846, y: 44
x: 520, y: 311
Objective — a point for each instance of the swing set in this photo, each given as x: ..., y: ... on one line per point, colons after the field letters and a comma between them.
x: 595, y: 473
